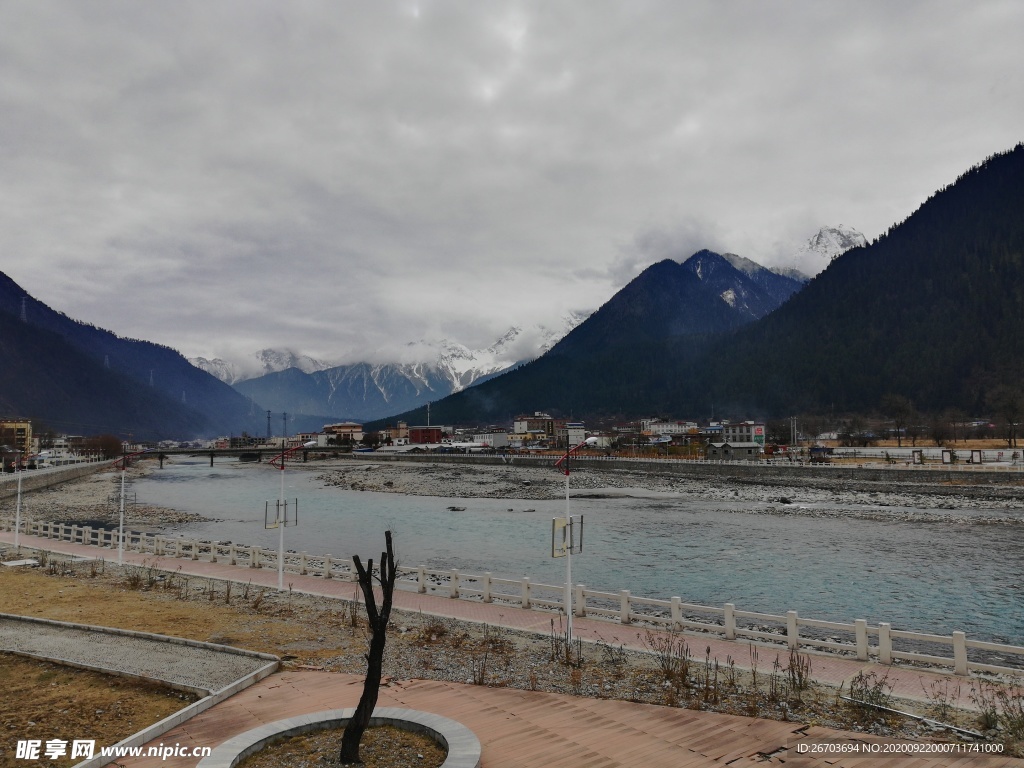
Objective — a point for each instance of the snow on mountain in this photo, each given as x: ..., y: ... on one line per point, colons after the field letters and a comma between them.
x: 229, y: 373
x: 746, y: 286
x: 830, y: 242
x: 259, y: 364
x: 421, y: 371
x: 282, y: 359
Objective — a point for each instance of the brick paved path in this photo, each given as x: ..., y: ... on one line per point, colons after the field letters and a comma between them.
x: 523, y: 728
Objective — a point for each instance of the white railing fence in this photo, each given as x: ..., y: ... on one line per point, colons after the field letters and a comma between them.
x: 879, y: 643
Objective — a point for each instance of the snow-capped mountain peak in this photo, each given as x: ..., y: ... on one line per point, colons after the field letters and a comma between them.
x: 830, y: 242
x: 259, y: 364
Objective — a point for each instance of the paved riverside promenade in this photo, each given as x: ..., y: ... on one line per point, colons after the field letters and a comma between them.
x: 523, y: 728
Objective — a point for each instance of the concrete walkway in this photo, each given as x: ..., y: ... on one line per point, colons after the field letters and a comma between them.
x: 522, y: 728
x: 199, y: 667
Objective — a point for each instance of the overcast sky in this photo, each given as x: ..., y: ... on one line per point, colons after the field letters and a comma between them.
x: 342, y: 178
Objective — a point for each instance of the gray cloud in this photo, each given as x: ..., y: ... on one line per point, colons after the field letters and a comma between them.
x: 338, y: 178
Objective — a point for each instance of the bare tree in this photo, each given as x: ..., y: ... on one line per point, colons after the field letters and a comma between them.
x: 378, y: 621
x: 901, y: 411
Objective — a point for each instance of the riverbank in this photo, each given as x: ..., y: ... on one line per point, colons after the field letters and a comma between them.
x: 96, y: 500
x: 815, y: 496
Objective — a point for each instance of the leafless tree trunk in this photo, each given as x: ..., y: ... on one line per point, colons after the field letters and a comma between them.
x: 378, y: 621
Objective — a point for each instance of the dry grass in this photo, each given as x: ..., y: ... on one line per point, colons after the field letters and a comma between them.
x: 46, y: 701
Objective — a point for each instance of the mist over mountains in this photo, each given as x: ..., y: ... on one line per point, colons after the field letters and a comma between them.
x: 429, y: 370
x: 932, y: 311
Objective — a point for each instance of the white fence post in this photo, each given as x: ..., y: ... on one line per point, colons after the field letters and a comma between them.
x: 195, y: 549
x: 579, y: 607
x: 959, y: 653
x: 87, y: 535
x: 487, y: 587
x: 213, y: 551
x: 729, y: 618
x: 328, y: 564
x: 303, y: 563
x: 353, y: 574
x: 525, y: 599
x: 861, y: 631
x: 677, y: 611
x: 421, y: 579
x: 624, y: 606
x: 232, y: 554
x: 884, y: 642
x: 792, y: 630
x: 254, y: 557
x: 453, y: 590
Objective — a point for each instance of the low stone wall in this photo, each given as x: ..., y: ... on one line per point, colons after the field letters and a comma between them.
x: 34, y: 479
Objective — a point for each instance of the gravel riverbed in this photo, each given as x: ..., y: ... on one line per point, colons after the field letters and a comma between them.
x: 814, y: 496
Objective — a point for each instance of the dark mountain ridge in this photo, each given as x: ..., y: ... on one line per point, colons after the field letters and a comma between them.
x: 163, y: 394
x: 620, y: 358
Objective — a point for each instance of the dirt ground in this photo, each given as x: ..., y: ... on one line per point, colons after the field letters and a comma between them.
x: 46, y: 701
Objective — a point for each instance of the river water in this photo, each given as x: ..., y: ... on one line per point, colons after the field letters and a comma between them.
x: 927, y: 577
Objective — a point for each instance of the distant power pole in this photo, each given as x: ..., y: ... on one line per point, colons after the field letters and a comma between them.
x: 268, y: 424
x: 284, y: 417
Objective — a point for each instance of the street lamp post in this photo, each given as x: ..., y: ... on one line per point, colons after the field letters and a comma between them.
x: 281, y: 518
x: 17, y: 513
x: 571, y: 539
x: 123, y: 461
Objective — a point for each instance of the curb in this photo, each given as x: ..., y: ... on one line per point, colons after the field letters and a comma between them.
x: 462, y: 744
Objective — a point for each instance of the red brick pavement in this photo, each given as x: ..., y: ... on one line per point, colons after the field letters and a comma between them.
x: 827, y: 668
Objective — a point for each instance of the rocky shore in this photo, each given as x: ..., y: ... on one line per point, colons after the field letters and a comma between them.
x: 827, y: 497
x: 96, y: 500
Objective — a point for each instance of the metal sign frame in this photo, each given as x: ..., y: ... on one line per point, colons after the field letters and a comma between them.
x: 565, y: 539
x: 279, y: 520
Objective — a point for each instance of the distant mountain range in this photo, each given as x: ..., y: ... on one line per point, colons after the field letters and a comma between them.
x: 932, y: 311
x: 364, y: 391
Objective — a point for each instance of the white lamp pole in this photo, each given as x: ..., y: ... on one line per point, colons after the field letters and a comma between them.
x: 282, y: 517
x: 120, y: 528
x: 120, y: 525
x: 570, y: 536
x: 17, y: 514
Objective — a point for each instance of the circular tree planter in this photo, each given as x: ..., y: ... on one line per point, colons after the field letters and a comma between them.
x: 462, y: 744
